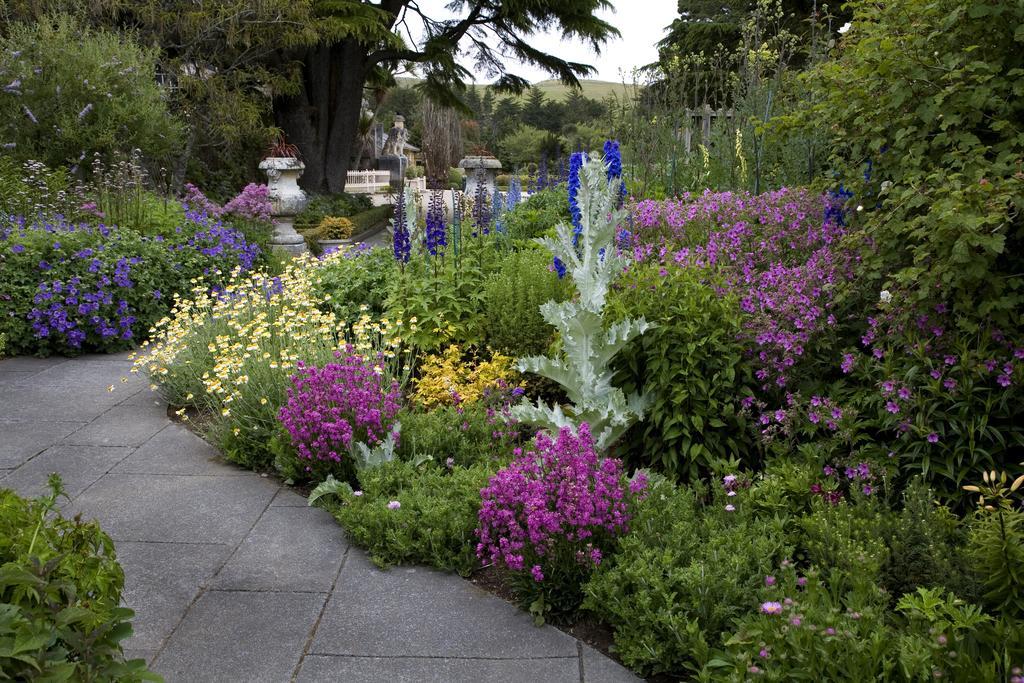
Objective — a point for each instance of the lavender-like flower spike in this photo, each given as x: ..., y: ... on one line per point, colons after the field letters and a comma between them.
x: 401, y: 245
x: 613, y: 160
x: 85, y: 111
x: 437, y: 231
x: 575, y: 164
x: 29, y: 114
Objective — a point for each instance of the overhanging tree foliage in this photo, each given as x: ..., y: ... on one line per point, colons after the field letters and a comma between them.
x: 313, y: 58
x: 321, y: 117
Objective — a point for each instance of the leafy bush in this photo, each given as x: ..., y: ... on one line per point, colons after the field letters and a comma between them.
x: 70, y: 92
x: 334, y: 228
x: 370, y: 218
x: 31, y: 189
x: 483, y: 431
x: 333, y: 408
x: 60, y: 594
x: 452, y: 379
x: 321, y: 206
x: 512, y: 299
x: 356, y: 283
x: 682, y: 574
x: 539, y: 213
x: 691, y: 365
x: 803, y: 628
x: 445, y: 296
x: 948, y: 404
x: 431, y: 524
x: 77, y: 287
x: 551, y: 517
x: 923, y: 103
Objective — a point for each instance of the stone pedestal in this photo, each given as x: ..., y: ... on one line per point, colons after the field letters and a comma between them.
x: 480, y: 171
x: 287, y: 200
x: 395, y: 165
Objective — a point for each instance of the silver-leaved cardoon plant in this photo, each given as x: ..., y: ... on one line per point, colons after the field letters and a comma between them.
x: 583, y: 368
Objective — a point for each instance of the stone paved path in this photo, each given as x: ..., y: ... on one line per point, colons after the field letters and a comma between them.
x: 232, y: 576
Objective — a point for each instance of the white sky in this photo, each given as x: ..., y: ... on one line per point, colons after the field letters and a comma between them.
x: 642, y: 24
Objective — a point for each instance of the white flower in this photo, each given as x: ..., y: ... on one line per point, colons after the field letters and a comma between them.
x: 860, y: 208
x: 845, y: 27
x: 885, y: 296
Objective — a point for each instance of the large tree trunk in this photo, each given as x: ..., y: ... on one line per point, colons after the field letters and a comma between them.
x: 322, y: 120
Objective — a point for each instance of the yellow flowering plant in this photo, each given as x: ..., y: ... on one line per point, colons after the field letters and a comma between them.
x: 230, y: 353
x: 448, y: 379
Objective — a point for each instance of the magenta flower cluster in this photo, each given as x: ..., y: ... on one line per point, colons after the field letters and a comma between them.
x: 778, y: 252
x: 331, y: 408
x: 252, y: 203
x: 560, y: 499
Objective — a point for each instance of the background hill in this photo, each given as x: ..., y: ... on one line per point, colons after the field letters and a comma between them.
x: 555, y: 90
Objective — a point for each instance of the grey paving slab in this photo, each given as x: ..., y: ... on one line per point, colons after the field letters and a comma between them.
x: 78, y: 467
x: 121, y: 426
x: 161, y: 581
x: 88, y: 375
x: 289, y: 549
x: 176, y: 509
x: 240, y: 636
x: 25, y: 401
x: 19, y: 441
x: 424, y: 613
x: 600, y: 669
x: 321, y: 669
x: 287, y: 497
x: 177, y: 450
x: 116, y: 357
x: 30, y: 363
x: 230, y: 572
x: 14, y: 377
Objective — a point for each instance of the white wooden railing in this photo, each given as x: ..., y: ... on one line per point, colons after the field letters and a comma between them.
x: 368, y: 182
x: 375, y: 182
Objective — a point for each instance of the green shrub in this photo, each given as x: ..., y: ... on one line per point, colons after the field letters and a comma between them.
x: 323, y: 205
x: 512, y: 300
x: 468, y: 435
x: 923, y: 101
x: 434, y: 524
x: 539, y: 213
x: 371, y: 218
x: 360, y: 278
x: 60, y: 594
x: 81, y: 92
x: 445, y: 296
x: 681, y: 575
x: 692, y: 366
x: 30, y: 188
x: 809, y: 631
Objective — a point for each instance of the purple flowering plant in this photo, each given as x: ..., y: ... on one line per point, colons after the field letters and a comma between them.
x: 89, y: 286
x: 333, y: 408
x: 943, y: 402
x: 551, y: 516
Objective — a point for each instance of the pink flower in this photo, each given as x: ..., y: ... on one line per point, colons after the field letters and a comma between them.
x: 933, y: 438
x: 730, y: 508
x: 394, y: 505
x: 771, y: 607
x: 536, y: 573
x: 769, y: 580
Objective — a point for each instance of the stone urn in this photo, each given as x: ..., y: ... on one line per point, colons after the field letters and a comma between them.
x: 287, y: 200
x: 480, y: 170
